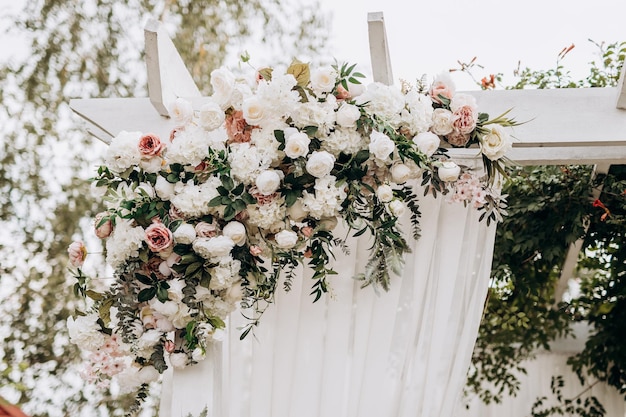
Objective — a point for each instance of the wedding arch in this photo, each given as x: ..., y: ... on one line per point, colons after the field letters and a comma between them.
x: 402, y: 353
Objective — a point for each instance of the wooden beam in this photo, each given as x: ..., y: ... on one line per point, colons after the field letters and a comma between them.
x: 379, y: 48
x: 168, y: 77
x: 621, y: 88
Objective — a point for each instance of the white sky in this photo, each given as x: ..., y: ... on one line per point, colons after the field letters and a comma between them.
x: 427, y: 37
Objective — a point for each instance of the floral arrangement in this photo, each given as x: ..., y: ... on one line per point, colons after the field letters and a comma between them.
x: 252, y: 184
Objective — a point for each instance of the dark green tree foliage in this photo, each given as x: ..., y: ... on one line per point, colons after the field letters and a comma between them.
x: 80, y: 50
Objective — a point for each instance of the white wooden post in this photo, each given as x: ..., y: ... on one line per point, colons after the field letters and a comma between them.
x: 379, y: 48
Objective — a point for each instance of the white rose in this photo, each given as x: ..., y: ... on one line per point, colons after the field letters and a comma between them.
x: 347, y: 115
x: 268, y: 182
x: 449, y: 171
x: 164, y: 188
x: 297, y: 145
x: 397, y: 208
x: 296, y: 212
x: 320, y: 164
x: 253, y: 110
x: 181, y: 111
x: 198, y: 355
x: 427, y: 143
x: 223, y: 83
x: 323, y: 80
x: 442, y: 122
x: 145, y: 189
x: 355, y: 90
x: 400, y: 173
x: 381, y: 145
x: 286, y: 239
x: 185, y: 234
x: 213, y: 247
x: 236, y: 231
x: 211, y: 115
x: 384, y: 193
x: 495, y: 143
x: 178, y: 360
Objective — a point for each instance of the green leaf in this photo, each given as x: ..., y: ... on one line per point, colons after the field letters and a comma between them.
x: 146, y: 294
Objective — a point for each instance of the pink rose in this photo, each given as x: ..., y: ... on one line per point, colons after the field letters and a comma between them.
x: 169, y: 346
x: 77, y: 253
x: 342, y: 93
x: 103, y: 228
x: 255, y: 250
x: 204, y: 229
x: 440, y: 88
x: 237, y: 129
x: 158, y: 237
x: 464, y: 120
x: 307, y: 231
x: 150, y: 145
x: 175, y: 214
x: 457, y: 139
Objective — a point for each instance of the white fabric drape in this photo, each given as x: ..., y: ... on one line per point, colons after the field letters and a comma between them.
x: 356, y: 353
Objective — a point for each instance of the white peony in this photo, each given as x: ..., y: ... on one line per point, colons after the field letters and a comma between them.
x: 181, y: 111
x: 347, y: 115
x: 211, y: 115
x: 85, y: 332
x: 268, y: 182
x: 384, y: 193
x: 443, y: 120
x: 213, y: 247
x: 495, y: 143
x: 124, y: 243
x: 123, y: 152
x: 185, y: 234
x: 427, y: 143
x: 297, y: 145
x: 320, y: 164
x: 323, y: 80
x: 286, y: 239
x: 381, y: 146
x: 449, y: 171
x: 236, y: 231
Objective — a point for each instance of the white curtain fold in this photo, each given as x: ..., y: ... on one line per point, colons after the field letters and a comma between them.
x: 358, y: 353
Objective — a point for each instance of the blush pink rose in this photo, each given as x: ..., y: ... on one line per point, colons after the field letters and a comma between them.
x: 255, y: 250
x: 150, y: 145
x: 464, y: 120
x: 158, y: 237
x: 204, y: 229
x: 342, y: 93
x: 77, y: 253
x: 103, y: 228
x: 457, y: 138
x: 237, y: 129
x: 440, y: 88
x: 169, y: 346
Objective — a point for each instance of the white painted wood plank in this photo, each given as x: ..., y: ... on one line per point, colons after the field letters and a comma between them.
x: 168, y: 77
x: 559, y: 116
x: 112, y: 115
x: 379, y: 48
x: 621, y: 90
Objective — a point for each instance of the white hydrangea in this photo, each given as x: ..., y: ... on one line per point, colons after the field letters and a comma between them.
x: 246, y: 162
x: 266, y: 146
x: 418, y: 114
x: 225, y: 274
x: 265, y: 215
x: 326, y: 202
x: 123, y: 152
x: 314, y: 113
x: 193, y: 200
x: 189, y: 147
x: 85, y: 332
x: 348, y: 141
x: 124, y: 243
x: 279, y: 97
x: 385, y: 101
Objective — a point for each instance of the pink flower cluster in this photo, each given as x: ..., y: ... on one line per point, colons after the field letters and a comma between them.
x: 105, y: 362
x: 468, y: 189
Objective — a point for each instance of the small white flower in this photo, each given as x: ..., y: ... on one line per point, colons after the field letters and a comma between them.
x: 495, y: 143
x: 268, y: 182
x: 164, y: 188
x: 253, y: 110
x: 401, y: 173
x: 223, y: 83
x: 323, y: 80
x: 211, y: 115
x: 297, y: 145
x: 178, y: 360
x: 236, y: 231
x: 347, y: 115
x: 449, y: 171
x: 320, y: 164
x: 286, y: 239
x: 185, y: 234
x: 384, y: 193
x: 381, y: 146
x: 397, y: 208
x: 427, y: 143
x: 181, y: 112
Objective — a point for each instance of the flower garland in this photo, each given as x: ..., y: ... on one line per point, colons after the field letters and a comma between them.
x: 250, y: 185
